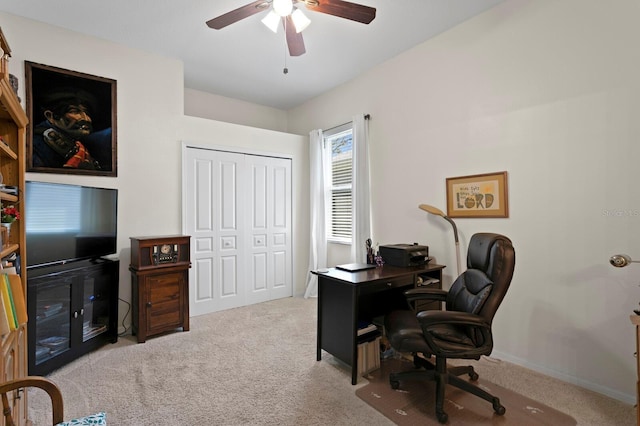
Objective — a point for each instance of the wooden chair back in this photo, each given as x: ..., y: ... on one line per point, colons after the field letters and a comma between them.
x: 32, y: 381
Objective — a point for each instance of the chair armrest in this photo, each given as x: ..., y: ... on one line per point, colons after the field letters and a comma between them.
x: 415, y: 295
x: 479, y: 331
x: 428, y: 318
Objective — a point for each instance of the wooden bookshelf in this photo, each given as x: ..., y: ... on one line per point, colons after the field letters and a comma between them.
x: 13, y: 124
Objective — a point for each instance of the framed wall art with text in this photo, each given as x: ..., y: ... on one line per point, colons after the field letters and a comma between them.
x: 483, y: 195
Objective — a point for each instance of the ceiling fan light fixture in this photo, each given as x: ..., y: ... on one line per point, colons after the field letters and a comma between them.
x: 271, y: 21
x: 300, y: 20
x: 283, y: 7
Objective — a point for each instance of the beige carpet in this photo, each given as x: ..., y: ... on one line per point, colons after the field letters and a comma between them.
x: 257, y: 365
x: 414, y: 402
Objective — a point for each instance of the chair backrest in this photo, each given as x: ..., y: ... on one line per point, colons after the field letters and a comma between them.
x: 480, y: 289
x: 32, y: 381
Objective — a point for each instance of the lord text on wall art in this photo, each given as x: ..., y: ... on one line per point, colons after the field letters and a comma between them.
x: 482, y: 195
x: 72, y: 122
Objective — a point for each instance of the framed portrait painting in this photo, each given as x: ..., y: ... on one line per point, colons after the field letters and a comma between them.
x: 482, y: 195
x: 72, y: 122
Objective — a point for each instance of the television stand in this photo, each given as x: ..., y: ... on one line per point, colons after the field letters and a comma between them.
x: 73, y: 309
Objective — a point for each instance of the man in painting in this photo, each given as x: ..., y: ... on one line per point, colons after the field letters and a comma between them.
x: 65, y: 138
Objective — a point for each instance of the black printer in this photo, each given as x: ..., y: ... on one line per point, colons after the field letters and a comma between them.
x: 404, y: 255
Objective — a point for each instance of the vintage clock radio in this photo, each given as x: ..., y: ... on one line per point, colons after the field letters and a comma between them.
x: 151, y: 252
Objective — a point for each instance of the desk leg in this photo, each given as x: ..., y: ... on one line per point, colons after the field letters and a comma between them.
x: 638, y: 375
x: 353, y: 325
x: 336, y: 322
x: 319, y: 330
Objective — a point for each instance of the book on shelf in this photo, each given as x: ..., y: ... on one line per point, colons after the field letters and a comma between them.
x: 369, y: 356
x: 4, y: 321
x: 13, y: 303
x: 365, y: 327
x: 18, y: 298
x: 89, y: 331
x: 8, y: 304
x: 10, y: 264
x: 5, y: 278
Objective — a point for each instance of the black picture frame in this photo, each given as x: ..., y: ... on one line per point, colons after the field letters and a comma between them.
x: 52, y: 150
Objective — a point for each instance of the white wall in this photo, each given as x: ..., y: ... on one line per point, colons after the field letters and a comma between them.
x: 149, y: 110
x: 549, y: 91
x: 220, y: 108
x: 151, y: 128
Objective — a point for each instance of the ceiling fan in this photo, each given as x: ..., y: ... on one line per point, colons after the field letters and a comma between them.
x: 292, y: 18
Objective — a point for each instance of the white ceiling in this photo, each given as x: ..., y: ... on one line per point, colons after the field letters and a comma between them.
x: 245, y: 60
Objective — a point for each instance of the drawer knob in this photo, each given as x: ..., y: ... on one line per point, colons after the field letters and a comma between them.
x: 389, y: 284
x: 148, y: 304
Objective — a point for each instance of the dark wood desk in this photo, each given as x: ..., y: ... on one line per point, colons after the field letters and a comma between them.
x: 635, y: 320
x: 344, y: 298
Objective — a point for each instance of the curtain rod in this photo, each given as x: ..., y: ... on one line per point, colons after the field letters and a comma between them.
x: 366, y: 117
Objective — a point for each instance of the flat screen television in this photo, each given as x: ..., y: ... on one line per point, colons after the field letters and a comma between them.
x: 66, y: 223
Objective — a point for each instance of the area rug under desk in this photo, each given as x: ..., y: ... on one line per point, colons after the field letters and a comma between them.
x: 414, y: 402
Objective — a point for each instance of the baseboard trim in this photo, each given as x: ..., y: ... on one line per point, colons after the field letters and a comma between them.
x: 595, y: 387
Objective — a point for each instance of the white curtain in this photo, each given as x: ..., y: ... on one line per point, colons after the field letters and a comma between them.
x: 318, y: 240
x: 360, y: 190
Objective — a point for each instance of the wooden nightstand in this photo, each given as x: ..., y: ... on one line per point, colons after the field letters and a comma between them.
x: 160, y: 284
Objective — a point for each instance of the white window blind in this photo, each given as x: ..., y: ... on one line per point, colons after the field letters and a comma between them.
x: 340, y: 180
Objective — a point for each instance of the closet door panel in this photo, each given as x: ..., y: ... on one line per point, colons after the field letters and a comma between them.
x: 257, y: 198
x: 280, y: 229
x: 230, y: 206
x: 199, y: 219
x: 214, y: 212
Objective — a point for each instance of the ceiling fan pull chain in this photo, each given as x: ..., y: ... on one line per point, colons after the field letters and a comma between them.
x: 285, y: 70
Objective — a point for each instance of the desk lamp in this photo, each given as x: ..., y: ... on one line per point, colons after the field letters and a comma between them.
x: 436, y: 211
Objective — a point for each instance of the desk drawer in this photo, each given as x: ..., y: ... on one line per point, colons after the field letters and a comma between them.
x: 388, y: 284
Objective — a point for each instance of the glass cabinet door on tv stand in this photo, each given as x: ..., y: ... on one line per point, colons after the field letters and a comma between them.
x: 72, y: 310
x: 53, y: 313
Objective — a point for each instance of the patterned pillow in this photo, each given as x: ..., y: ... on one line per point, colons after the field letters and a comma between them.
x: 94, y: 419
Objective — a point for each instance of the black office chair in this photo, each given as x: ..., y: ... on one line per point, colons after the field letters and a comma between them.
x: 463, y: 330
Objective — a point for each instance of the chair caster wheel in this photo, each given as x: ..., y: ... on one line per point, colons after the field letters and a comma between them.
x: 498, y: 408
x: 394, y: 384
x: 442, y: 417
x: 473, y: 376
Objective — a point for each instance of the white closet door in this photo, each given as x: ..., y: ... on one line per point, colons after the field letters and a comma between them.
x: 215, y: 216
x: 268, y: 229
x: 238, y: 213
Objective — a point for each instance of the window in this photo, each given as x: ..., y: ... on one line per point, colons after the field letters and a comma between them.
x: 339, y: 142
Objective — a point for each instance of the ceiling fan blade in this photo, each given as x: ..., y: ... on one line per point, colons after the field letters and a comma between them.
x: 343, y: 9
x: 238, y: 14
x: 294, y: 39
